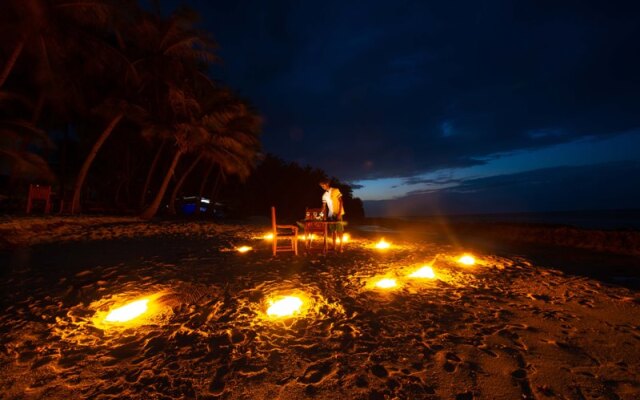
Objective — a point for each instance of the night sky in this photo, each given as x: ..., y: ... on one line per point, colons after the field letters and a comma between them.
x: 445, y: 106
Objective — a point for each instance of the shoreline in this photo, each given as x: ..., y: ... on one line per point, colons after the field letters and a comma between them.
x: 33, y: 230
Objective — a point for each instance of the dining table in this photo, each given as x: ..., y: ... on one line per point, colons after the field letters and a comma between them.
x: 322, y: 228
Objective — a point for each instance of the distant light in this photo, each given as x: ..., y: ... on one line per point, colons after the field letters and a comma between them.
x: 382, y: 245
x: 284, y: 306
x: 268, y: 236
x: 467, y: 260
x: 424, y: 272
x: 128, y: 311
x: 206, y: 201
x: 386, y: 283
x: 244, y: 249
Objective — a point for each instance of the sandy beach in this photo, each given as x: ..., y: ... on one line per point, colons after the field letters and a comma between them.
x: 506, y: 327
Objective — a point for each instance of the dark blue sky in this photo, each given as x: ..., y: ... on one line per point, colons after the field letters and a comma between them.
x: 454, y: 103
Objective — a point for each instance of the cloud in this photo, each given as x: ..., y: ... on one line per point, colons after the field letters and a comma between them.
x: 381, y: 90
x: 431, y: 181
x: 592, y: 187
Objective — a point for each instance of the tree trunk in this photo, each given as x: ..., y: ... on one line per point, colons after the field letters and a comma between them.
x: 203, y: 184
x: 205, y: 178
x: 150, y: 211
x: 77, y: 187
x: 11, y: 62
x: 214, y: 192
x: 152, y: 169
x: 178, y: 186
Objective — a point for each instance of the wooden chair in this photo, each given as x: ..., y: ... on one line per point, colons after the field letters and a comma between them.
x: 39, y: 192
x: 283, y: 232
x: 314, y: 224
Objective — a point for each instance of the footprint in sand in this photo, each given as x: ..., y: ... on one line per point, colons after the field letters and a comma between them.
x: 451, y: 362
x: 379, y: 370
x: 316, y: 373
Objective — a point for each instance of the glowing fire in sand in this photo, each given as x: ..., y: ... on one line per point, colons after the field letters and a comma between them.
x: 386, y: 283
x: 382, y: 245
x: 244, y: 249
x: 128, y: 311
x: 345, y: 238
x: 424, y: 272
x: 467, y: 260
x: 285, y: 306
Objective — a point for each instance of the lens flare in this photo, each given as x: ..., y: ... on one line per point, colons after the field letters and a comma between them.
x: 128, y: 311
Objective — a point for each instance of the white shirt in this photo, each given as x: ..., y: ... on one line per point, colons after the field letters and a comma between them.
x: 329, y: 200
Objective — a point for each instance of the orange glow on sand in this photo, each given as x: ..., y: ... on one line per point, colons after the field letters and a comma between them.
x: 284, y: 306
x: 128, y: 311
x: 344, y: 239
x: 424, y: 272
x: 244, y: 249
x: 382, y: 245
x: 467, y: 259
x: 386, y: 283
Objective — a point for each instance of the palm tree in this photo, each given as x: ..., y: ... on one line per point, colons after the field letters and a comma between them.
x: 116, y: 111
x: 232, y: 141
x: 51, y: 36
x: 156, y: 43
x: 188, y: 135
x: 48, y: 30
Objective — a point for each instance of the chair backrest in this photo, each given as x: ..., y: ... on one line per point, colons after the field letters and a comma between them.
x: 39, y: 192
x: 273, y: 220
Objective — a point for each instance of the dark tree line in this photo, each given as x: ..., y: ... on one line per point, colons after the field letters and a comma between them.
x: 115, y: 107
x: 288, y: 186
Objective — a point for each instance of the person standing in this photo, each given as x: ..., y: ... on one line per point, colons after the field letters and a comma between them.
x: 332, y: 201
x: 334, y: 207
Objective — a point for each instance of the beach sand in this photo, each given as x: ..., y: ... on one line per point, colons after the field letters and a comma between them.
x: 507, y: 327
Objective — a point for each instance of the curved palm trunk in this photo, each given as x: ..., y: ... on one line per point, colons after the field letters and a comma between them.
x: 150, y: 211
x: 214, y: 191
x: 178, y: 186
x: 77, y: 187
x: 203, y: 184
x: 205, y: 178
x: 152, y: 169
x: 11, y: 62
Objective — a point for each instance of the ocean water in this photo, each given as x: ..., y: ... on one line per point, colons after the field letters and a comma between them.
x: 599, y: 219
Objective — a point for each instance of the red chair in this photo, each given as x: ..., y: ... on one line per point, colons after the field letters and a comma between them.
x: 39, y: 192
x: 288, y: 233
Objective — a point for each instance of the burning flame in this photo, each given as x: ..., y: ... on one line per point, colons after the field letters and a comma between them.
x: 345, y: 238
x: 386, y: 283
x: 128, y: 311
x: 244, y: 249
x: 467, y: 259
x: 424, y: 272
x: 382, y: 245
x: 285, y: 306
